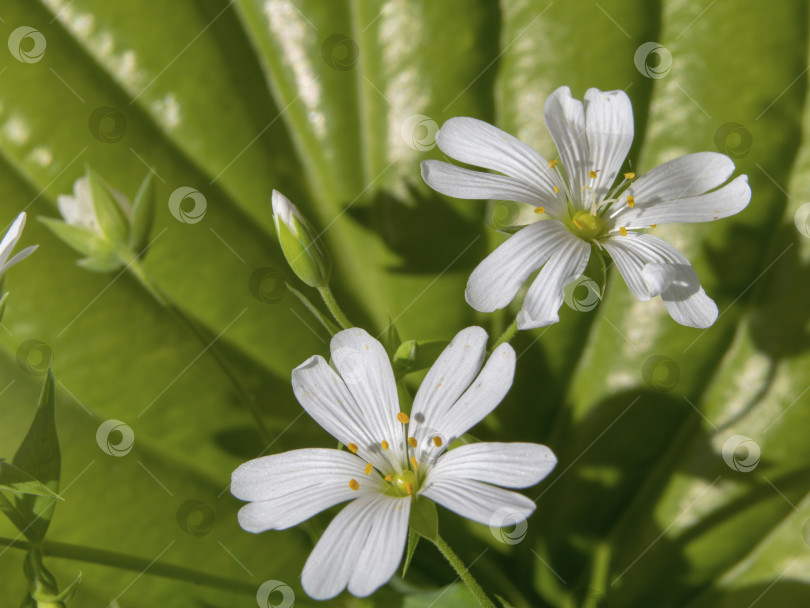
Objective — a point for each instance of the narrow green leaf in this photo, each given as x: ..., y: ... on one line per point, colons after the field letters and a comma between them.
x: 424, y: 519
x: 322, y: 318
x: 82, y: 240
x: 143, y: 213
x: 16, y: 480
x: 40, y: 457
x: 392, y: 338
x: 110, y: 216
x: 413, y: 541
x: 100, y: 264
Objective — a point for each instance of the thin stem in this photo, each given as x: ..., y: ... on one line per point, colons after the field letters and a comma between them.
x: 463, y: 572
x: 507, y: 335
x: 206, y: 340
x: 334, y: 307
x: 600, y: 570
x: 134, y: 564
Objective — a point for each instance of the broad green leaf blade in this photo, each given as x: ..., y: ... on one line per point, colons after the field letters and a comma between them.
x: 39, y: 456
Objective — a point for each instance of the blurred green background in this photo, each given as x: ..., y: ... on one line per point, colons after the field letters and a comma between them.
x: 335, y: 103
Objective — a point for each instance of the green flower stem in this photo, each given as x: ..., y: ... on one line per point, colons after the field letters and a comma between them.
x: 334, y: 307
x: 463, y: 572
x: 134, y: 564
x: 507, y: 335
x: 600, y: 570
x: 206, y: 340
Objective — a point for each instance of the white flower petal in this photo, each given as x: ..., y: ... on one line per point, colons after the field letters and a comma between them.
x: 544, y: 298
x: 483, y: 395
x: 728, y: 200
x: 335, y: 561
x: 495, y: 281
x: 11, y: 237
x: 658, y: 277
x: 630, y: 264
x: 448, y: 378
x: 477, y: 501
x: 565, y: 120
x: 18, y: 257
x: 291, y: 487
x: 686, y: 301
x: 511, y: 465
x: 478, y: 143
x: 78, y: 210
x: 683, y: 177
x: 609, y: 125
x: 365, y: 368
x: 323, y: 394
x: 464, y: 183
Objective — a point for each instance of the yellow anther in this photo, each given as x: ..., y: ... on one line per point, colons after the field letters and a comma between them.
x: 437, y: 441
x: 652, y: 226
x: 403, y: 417
x: 630, y: 175
x: 592, y: 174
x: 556, y: 189
x: 553, y: 163
x: 368, y: 469
x: 412, y: 441
x: 389, y: 478
x: 354, y: 485
x: 384, y: 445
x: 352, y: 448
x: 631, y: 202
x: 623, y: 231
x: 413, y: 463
x: 578, y: 224
x: 409, y: 487
x: 539, y: 210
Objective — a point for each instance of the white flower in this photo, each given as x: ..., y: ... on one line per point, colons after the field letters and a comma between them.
x: 584, y: 209
x: 8, y: 243
x: 392, y: 458
x: 78, y: 209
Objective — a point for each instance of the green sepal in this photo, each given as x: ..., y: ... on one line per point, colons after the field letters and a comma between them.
x: 303, y: 251
x: 143, y: 213
x: 80, y: 239
x: 392, y: 339
x: 413, y: 355
x: 39, y: 456
x: 413, y: 541
x: 424, y: 519
x: 101, y: 264
x: 14, y: 479
x: 112, y: 221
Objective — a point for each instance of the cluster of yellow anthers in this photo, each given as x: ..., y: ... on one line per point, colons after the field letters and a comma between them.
x: 404, y: 481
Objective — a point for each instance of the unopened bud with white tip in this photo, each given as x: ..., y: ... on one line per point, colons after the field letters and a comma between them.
x: 300, y: 244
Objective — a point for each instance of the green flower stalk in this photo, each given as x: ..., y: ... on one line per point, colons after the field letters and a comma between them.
x: 301, y: 245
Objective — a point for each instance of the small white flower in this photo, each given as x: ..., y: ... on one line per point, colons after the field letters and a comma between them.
x: 393, y: 458
x: 583, y: 208
x: 8, y: 243
x: 78, y: 210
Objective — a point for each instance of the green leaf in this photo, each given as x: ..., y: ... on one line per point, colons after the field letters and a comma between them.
x: 16, y: 480
x: 81, y: 239
x: 39, y: 457
x: 424, y: 520
x: 414, y: 355
x: 143, y: 214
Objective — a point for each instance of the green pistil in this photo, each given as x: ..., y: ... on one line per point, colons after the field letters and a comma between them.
x: 587, y: 226
x: 404, y: 484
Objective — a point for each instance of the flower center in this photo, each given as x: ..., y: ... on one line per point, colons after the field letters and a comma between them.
x: 403, y: 484
x: 586, y: 225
